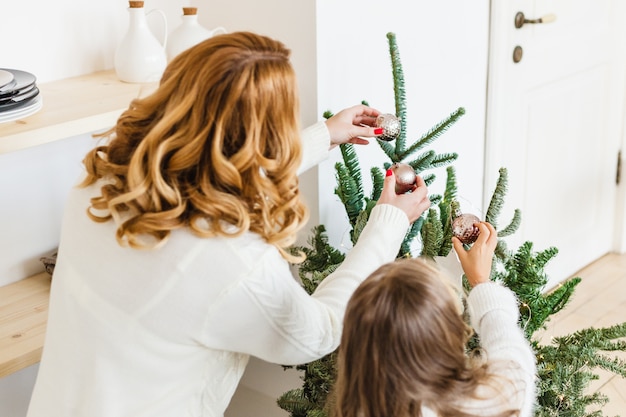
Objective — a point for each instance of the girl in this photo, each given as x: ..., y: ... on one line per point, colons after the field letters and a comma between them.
x: 173, y: 263
x: 402, y: 352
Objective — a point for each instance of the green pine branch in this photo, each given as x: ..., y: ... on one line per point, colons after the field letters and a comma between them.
x: 428, y: 179
x: 423, y: 161
x: 414, y: 231
x: 296, y: 403
x: 432, y: 234
x: 437, y: 229
x: 496, y: 204
x: 378, y: 179
x: 435, y: 199
x: 351, y: 161
x: 557, y: 299
x: 399, y: 92
x: 450, y: 192
x: 360, y: 223
x: 348, y: 191
x: 321, y: 259
x: 444, y: 159
x: 566, y: 368
x: 433, y: 133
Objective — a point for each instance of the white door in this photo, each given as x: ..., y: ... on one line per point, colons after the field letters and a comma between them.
x: 554, y: 120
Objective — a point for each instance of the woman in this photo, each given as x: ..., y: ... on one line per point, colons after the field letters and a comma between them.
x: 403, y: 354
x: 173, y: 264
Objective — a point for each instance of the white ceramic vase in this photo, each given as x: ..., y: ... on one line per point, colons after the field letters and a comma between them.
x: 188, y: 33
x: 141, y: 57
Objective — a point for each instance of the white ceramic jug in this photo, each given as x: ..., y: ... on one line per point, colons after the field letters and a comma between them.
x: 189, y: 33
x: 141, y: 57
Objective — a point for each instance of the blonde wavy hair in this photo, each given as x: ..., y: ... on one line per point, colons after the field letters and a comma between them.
x: 215, y: 148
x: 404, y: 347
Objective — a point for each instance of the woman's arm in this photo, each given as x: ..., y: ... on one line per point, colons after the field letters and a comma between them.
x: 315, y: 146
x: 269, y: 315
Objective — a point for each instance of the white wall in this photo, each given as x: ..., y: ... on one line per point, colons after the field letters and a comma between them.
x: 341, y: 56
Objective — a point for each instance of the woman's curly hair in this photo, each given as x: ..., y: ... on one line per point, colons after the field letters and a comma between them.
x: 215, y: 148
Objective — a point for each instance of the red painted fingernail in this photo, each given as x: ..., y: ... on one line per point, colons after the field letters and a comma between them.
x: 379, y: 131
x: 388, y: 173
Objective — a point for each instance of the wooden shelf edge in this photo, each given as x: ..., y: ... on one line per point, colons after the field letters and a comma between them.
x: 71, y: 107
x: 23, y: 318
x: 23, y: 361
x: 49, y: 134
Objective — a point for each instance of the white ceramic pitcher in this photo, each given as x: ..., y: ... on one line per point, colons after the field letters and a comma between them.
x: 141, y: 57
x: 189, y: 33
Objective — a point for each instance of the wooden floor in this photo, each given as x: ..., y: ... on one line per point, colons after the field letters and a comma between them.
x: 598, y: 301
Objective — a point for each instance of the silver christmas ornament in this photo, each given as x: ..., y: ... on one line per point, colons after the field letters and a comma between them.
x: 464, y: 229
x: 405, y: 177
x: 391, y: 126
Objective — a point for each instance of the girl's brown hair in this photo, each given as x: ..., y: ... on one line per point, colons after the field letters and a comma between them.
x: 404, y: 347
x: 216, y: 148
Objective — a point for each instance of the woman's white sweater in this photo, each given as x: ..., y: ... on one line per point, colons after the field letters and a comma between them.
x: 168, y: 332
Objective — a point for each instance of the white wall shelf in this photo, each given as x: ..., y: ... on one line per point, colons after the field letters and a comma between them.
x: 71, y: 107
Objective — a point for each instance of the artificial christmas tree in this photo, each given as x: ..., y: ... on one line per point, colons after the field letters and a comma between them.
x: 565, y: 367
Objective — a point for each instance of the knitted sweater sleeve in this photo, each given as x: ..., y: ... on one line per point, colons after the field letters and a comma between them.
x: 315, y: 146
x: 269, y: 315
x: 494, y: 315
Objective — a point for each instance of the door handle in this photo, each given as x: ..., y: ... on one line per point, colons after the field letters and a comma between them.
x: 520, y: 19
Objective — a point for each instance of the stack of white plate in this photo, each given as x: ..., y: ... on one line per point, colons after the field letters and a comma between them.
x: 19, y: 95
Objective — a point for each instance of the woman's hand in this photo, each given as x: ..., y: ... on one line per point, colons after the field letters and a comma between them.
x: 476, y: 261
x: 352, y: 124
x: 413, y: 203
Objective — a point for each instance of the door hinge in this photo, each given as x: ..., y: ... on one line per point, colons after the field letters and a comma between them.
x: 618, y: 170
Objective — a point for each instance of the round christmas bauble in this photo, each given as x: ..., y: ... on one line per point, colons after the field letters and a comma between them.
x: 391, y: 126
x: 464, y: 229
x: 405, y: 177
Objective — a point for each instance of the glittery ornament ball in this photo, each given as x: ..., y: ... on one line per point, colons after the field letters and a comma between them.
x: 464, y: 229
x: 405, y: 177
x: 391, y: 126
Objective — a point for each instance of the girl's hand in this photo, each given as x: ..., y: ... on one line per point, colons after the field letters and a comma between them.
x: 413, y: 203
x: 476, y: 261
